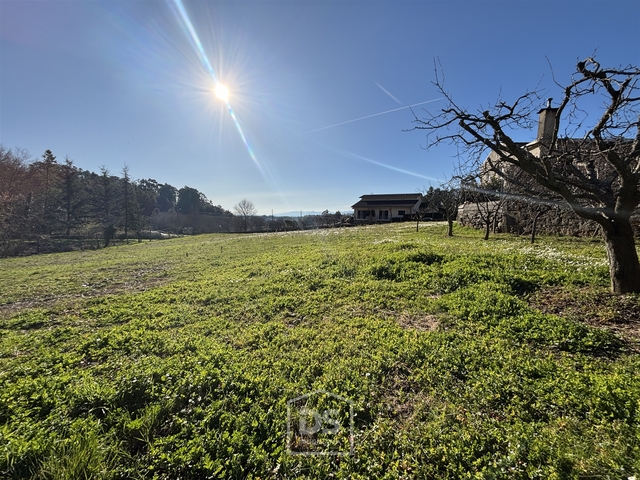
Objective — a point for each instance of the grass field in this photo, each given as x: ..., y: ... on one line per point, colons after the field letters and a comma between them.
x: 458, y: 358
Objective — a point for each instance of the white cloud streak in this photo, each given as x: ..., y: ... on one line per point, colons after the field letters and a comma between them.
x: 387, y: 92
x: 372, y: 115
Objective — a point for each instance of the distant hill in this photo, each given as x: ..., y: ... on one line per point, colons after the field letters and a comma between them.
x: 308, y: 212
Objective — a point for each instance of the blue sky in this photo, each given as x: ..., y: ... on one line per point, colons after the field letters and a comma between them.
x: 115, y: 82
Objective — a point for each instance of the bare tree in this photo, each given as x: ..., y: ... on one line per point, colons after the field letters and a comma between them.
x: 488, y: 199
x: 245, y: 210
x: 531, y: 202
x: 597, y: 174
x: 420, y: 213
x: 445, y: 200
x: 18, y: 212
x: 326, y: 218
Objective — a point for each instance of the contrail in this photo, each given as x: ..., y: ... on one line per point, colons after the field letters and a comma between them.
x: 396, y: 169
x: 372, y: 115
x: 380, y: 164
x: 387, y: 92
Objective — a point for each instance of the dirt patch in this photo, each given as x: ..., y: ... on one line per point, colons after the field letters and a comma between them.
x: 594, y: 306
x: 401, y: 397
x: 137, y: 281
x: 422, y: 322
x: 293, y: 320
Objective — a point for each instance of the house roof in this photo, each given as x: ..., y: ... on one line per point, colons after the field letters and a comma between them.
x: 388, y: 199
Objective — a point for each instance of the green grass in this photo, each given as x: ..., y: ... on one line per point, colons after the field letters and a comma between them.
x: 176, y: 359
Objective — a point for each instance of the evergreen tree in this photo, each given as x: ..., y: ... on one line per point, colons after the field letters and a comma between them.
x: 166, y: 197
x: 104, y: 204
x: 48, y: 171
x: 129, y: 208
x: 70, y: 196
x: 147, y: 195
x: 189, y: 200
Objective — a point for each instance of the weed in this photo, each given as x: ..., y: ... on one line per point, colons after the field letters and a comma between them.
x: 463, y: 358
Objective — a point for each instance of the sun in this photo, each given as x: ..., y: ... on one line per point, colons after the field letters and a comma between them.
x: 221, y: 92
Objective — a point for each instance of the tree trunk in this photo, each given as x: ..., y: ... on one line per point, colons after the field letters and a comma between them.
x: 624, y: 267
x: 533, y: 228
x: 487, y: 229
x: 450, y: 230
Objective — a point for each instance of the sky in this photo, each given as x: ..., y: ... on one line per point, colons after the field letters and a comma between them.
x: 317, y: 112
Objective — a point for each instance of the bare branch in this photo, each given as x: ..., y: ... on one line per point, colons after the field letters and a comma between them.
x: 596, y: 171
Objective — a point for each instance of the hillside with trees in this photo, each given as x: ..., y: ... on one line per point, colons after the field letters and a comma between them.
x: 51, y: 205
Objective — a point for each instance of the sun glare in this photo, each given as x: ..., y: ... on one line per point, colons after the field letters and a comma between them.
x: 221, y: 92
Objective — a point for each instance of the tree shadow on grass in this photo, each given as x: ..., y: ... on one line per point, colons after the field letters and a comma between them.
x: 593, y: 306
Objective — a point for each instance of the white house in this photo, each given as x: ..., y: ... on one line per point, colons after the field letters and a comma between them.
x: 388, y: 207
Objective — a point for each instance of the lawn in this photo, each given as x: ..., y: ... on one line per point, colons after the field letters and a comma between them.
x: 432, y: 357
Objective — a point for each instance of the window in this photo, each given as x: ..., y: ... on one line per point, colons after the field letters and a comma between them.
x: 401, y: 213
x: 364, y: 214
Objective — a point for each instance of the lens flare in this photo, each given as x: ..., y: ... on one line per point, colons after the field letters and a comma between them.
x: 221, y: 92
x: 195, y: 40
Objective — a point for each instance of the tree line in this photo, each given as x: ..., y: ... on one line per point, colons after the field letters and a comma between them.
x: 47, y: 205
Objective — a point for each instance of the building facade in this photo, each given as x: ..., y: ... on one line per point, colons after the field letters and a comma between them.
x: 385, y: 208
x: 534, y: 208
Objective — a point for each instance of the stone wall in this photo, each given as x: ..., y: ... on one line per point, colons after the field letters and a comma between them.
x: 469, y: 216
x: 556, y: 221
x: 517, y: 217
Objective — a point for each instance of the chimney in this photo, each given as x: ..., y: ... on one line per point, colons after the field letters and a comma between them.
x: 546, y: 122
